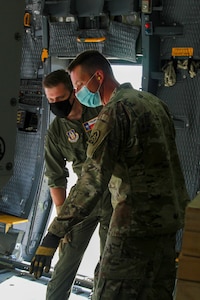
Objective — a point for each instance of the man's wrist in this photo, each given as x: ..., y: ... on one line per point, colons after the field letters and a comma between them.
x: 58, y: 209
x: 50, y: 241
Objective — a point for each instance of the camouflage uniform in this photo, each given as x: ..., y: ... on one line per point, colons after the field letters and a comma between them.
x: 66, y: 141
x: 132, y: 148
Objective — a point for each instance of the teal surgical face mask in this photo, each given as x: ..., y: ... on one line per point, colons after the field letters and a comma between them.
x: 88, y: 98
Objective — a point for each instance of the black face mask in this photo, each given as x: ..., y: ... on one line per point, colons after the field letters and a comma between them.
x: 62, y: 108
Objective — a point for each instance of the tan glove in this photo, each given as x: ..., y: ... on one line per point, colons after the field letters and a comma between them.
x: 44, y: 255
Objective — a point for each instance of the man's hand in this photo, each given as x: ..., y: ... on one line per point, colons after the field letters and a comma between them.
x: 44, y: 255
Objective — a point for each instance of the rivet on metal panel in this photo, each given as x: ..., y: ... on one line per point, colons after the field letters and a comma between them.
x: 9, y: 166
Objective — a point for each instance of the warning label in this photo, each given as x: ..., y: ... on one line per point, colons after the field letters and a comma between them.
x: 182, y: 51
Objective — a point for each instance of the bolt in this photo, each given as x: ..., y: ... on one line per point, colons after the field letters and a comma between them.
x: 9, y: 166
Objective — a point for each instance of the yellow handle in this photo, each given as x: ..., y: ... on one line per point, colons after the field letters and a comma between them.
x: 91, y: 40
x: 45, y: 54
x: 27, y: 19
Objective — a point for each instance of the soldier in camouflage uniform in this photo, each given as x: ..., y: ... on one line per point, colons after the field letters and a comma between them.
x: 66, y: 141
x: 132, y: 149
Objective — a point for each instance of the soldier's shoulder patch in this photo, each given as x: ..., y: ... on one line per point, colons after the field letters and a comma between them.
x: 94, y: 137
x: 104, y: 117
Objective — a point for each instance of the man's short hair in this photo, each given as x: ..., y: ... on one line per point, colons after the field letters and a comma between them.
x: 56, y: 77
x: 90, y: 61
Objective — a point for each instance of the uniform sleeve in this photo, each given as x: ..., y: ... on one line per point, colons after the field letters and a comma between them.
x: 56, y: 170
x: 102, y: 154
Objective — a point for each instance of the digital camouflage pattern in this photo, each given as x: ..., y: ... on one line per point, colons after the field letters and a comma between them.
x: 133, y: 140
x: 137, y: 268
x: 132, y: 148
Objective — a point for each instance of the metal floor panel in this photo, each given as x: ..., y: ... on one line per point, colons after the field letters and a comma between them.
x: 21, y: 287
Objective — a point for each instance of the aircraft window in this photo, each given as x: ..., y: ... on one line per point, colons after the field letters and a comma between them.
x: 129, y: 73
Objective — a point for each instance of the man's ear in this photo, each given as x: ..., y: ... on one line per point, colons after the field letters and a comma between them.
x: 100, y: 75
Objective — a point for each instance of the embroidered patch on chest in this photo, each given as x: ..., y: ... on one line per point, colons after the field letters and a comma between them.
x: 73, y: 136
x: 88, y: 126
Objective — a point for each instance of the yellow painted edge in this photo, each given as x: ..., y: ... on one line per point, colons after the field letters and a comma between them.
x: 8, y: 219
x: 91, y: 40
